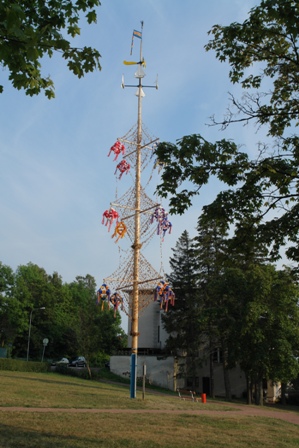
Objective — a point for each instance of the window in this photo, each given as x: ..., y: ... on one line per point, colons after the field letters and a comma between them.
x: 189, y: 382
x: 217, y: 356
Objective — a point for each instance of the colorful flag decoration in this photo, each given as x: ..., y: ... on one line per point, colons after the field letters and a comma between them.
x: 135, y: 34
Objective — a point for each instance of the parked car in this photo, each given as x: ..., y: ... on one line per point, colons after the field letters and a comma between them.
x: 61, y: 362
x: 80, y: 361
x: 292, y: 396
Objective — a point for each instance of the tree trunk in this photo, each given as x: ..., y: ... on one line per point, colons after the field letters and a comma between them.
x: 283, y: 393
x: 258, y: 392
x: 261, y: 393
x: 256, y: 401
x: 248, y: 390
x: 89, y: 371
x: 212, y: 388
x: 193, y: 364
x: 228, y: 393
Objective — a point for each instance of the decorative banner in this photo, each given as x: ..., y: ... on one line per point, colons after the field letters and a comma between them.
x: 136, y: 34
x: 118, y: 148
x: 109, y: 216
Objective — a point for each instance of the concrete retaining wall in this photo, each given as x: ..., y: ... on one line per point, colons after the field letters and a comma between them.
x: 159, y: 371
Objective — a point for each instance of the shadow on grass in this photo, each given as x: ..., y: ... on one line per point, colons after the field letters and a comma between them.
x: 69, y: 379
x: 15, y: 437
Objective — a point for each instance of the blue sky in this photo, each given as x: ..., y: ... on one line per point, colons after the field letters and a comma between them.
x: 55, y: 177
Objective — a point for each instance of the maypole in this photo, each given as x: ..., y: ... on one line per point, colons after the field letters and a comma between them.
x: 137, y: 245
x: 136, y: 280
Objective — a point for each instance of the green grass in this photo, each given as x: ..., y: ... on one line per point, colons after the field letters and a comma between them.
x: 136, y: 423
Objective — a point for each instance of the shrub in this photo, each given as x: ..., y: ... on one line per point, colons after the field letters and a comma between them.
x: 23, y: 366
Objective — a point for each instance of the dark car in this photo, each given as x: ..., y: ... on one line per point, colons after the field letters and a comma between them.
x: 292, y: 396
x: 80, y: 361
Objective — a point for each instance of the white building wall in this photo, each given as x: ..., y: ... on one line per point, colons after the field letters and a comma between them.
x: 164, y: 372
x: 159, y: 371
x: 151, y: 332
x: 236, y: 375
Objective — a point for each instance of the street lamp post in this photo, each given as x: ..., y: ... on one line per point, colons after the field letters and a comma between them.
x: 29, y: 333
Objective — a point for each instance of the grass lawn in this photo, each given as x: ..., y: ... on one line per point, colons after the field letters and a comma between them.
x: 158, y: 421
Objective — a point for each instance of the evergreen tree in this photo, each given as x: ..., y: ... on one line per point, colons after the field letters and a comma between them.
x: 211, y: 250
x: 182, y: 321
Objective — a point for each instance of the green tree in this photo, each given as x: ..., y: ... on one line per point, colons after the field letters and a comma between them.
x: 182, y: 321
x: 110, y: 336
x: 257, y: 316
x: 11, y: 320
x: 95, y: 331
x: 211, y: 248
x: 83, y: 293
x: 250, y: 310
x: 33, y: 29
x: 71, y: 320
x: 284, y: 328
x: 268, y: 337
x: 32, y: 292
x: 59, y: 326
x: 224, y: 306
x: 266, y: 43
x: 263, y: 49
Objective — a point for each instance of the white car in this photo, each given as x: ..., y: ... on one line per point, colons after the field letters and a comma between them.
x: 61, y: 362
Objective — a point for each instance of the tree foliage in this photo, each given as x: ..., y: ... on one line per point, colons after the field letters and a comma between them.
x: 260, y: 192
x: 33, y: 29
x: 266, y: 43
x: 257, y: 323
x: 66, y: 314
x: 229, y: 298
x: 183, y: 278
x: 11, y: 322
x: 211, y: 249
x: 182, y: 321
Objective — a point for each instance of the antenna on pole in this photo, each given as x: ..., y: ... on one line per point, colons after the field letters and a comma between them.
x: 136, y: 246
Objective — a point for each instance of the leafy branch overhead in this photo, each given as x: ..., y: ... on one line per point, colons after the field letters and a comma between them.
x: 260, y: 192
x: 31, y: 30
x: 263, y: 48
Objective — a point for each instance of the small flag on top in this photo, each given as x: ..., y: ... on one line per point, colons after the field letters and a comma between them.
x: 135, y: 34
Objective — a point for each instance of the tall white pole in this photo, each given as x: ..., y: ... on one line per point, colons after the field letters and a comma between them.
x: 137, y: 245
